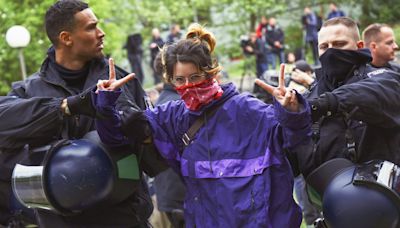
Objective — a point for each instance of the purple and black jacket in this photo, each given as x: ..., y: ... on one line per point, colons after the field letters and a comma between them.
x: 235, y: 170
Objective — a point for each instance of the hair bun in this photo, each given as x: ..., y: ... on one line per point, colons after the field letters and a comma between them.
x: 196, y: 31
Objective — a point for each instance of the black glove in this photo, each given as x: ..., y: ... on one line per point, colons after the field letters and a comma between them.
x: 135, y: 125
x: 82, y: 104
x: 324, y: 105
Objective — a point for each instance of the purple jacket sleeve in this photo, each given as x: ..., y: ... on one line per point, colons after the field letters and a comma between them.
x: 109, y: 126
x: 296, y: 125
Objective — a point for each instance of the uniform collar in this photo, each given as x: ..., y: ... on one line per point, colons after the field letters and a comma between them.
x: 97, y: 69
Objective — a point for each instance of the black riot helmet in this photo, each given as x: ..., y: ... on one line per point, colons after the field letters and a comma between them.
x: 362, y: 196
x: 75, y: 175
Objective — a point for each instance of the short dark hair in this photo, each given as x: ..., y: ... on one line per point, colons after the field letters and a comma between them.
x: 60, y: 17
x: 372, y: 33
x: 345, y: 21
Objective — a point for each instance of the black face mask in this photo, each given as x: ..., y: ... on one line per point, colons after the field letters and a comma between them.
x: 338, y: 65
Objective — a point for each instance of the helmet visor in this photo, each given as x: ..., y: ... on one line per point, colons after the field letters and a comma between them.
x: 383, y: 174
x: 28, y: 187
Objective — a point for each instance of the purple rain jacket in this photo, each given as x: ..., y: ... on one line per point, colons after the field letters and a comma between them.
x: 235, y: 169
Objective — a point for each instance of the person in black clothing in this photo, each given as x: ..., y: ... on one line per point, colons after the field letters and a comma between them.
x: 344, y: 88
x: 135, y: 54
x: 175, y: 34
x: 256, y: 47
x: 56, y: 104
x: 155, y: 45
x: 354, y: 112
x: 381, y: 41
x: 334, y: 11
x: 168, y: 186
x: 275, y: 39
x: 355, y: 116
x: 310, y: 27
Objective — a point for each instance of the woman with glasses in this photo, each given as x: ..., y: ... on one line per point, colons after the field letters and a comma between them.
x: 234, y: 167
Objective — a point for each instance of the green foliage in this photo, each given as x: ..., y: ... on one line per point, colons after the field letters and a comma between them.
x: 228, y: 19
x: 382, y: 11
x: 244, y: 66
x: 294, y: 37
x: 118, y: 19
x: 28, y: 14
x: 396, y: 30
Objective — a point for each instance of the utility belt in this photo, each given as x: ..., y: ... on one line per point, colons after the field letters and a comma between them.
x: 76, y: 175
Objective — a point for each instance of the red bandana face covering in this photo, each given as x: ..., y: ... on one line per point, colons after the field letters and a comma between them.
x: 202, y: 93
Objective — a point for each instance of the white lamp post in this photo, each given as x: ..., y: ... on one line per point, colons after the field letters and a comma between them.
x: 18, y: 37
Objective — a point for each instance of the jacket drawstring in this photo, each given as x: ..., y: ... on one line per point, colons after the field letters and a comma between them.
x: 208, y: 143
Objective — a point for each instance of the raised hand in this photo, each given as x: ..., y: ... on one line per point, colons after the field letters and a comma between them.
x: 302, y: 77
x: 287, y: 98
x: 112, y: 83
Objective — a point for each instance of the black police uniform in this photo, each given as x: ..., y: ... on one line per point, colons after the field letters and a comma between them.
x: 388, y: 66
x: 31, y: 117
x: 357, y: 119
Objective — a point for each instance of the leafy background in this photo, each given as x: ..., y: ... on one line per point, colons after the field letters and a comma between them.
x: 228, y: 19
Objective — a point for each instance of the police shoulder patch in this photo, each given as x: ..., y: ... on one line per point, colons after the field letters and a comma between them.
x: 377, y: 72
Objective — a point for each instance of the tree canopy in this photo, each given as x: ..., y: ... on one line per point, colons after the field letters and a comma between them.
x: 120, y: 18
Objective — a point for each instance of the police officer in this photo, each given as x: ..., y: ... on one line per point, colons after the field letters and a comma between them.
x: 381, y: 41
x: 55, y: 104
x: 355, y: 116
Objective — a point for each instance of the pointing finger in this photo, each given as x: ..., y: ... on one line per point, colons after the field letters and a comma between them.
x: 111, y: 69
x: 123, y: 81
x: 265, y: 86
x: 282, y: 76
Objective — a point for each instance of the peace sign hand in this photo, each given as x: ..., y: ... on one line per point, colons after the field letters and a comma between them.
x: 112, y: 83
x: 287, y: 98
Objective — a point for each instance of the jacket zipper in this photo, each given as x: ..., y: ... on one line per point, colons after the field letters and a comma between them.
x: 77, y: 126
x: 252, y: 199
